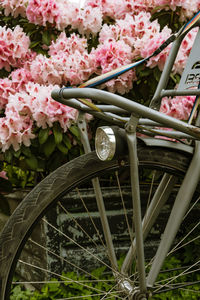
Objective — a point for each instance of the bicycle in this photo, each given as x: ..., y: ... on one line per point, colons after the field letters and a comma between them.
x: 110, y: 265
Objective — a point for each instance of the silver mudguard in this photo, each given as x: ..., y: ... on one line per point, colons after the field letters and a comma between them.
x: 167, y: 144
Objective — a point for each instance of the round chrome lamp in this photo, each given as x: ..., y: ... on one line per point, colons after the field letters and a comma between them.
x: 105, y: 143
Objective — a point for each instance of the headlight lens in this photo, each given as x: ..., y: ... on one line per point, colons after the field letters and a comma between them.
x: 105, y: 143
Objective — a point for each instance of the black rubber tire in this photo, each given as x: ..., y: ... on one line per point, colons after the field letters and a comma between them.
x: 20, y: 224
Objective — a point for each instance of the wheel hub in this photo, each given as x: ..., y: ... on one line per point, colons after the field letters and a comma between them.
x: 127, y: 288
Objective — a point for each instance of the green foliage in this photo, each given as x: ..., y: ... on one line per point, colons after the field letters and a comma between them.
x: 167, y: 17
x: 50, y: 149
x: 71, y: 285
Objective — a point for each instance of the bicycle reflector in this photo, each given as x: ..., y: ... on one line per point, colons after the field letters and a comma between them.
x: 109, y: 142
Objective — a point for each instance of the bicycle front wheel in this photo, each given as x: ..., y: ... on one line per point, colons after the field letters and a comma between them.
x: 54, y: 245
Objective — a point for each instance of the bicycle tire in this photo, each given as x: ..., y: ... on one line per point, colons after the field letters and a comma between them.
x: 40, y: 200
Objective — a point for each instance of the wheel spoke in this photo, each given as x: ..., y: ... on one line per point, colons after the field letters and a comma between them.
x: 71, y: 216
x: 80, y: 246
x: 58, y: 275
x: 69, y: 262
x: 90, y: 217
x: 185, y: 272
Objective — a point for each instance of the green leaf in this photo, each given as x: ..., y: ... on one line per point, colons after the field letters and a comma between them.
x: 32, y: 162
x: 157, y: 73
x: 67, y: 141
x: 35, y: 143
x: 58, y: 135
x: 75, y: 131
x: 43, y: 135
x: 62, y: 148
x: 34, y: 44
x: 49, y: 146
x: 8, y: 156
x: 46, y: 38
x: 26, y: 151
x: 17, y: 153
x: 41, y: 165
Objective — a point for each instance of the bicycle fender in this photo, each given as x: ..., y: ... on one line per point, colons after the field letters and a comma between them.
x: 153, y: 142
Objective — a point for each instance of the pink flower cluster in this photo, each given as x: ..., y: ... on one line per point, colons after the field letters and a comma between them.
x: 68, y: 44
x: 184, y: 51
x: 112, y: 55
x: 69, y: 62
x: 14, y: 7
x: 118, y: 9
x: 141, y: 34
x: 25, y: 108
x: 41, y: 12
x: 14, y: 47
x: 44, y: 110
x: 187, y: 7
x: 62, y: 13
x: 145, y: 37
x: 178, y: 107
x: 15, y: 83
x: 15, y: 128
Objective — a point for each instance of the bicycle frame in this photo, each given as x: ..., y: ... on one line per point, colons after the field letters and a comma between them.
x: 117, y: 105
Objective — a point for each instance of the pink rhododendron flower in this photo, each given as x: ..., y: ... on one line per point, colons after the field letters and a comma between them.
x: 41, y: 12
x: 63, y: 13
x: 3, y: 175
x: 152, y: 44
x: 45, y: 111
x: 6, y: 89
x: 112, y: 55
x: 136, y: 31
x: 14, y: 46
x: 79, y: 67
x: 68, y: 45
x: 124, y: 29
x: 67, y: 66
x: 73, y: 69
x: 187, y: 7
x: 47, y: 70
x: 15, y: 83
x: 118, y: 9
x: 68, y: 12
x: 20, y: 78
x: 15, y: 128
x: 89, y: 20
x: 14, y: 7
x: 25, y: 108
x: 178, y: 107
x: 27, y: 59
x: 115, y: 9
x: 184, y: 51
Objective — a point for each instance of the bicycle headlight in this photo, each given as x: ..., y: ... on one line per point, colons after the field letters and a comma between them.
x: 110, y: 142
x: 105, y: 143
